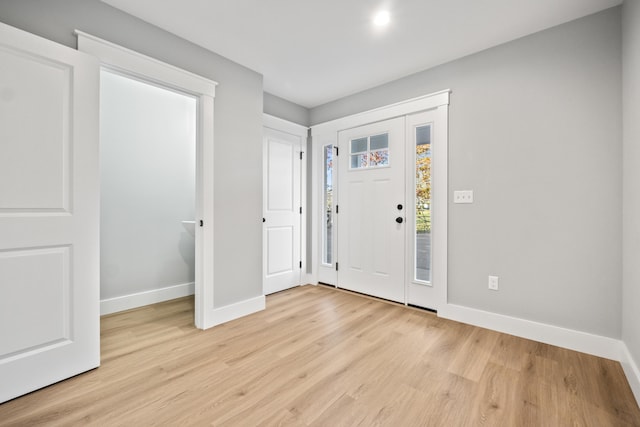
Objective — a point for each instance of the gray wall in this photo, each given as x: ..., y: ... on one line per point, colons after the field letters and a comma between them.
x: 535, y: 131
x: 631, y: 178
x: 147, y: 186
x: 238, y: 124
x: 284, y: 109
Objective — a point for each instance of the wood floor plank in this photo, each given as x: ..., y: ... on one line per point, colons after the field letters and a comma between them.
x: 322, y: 357
x: 480, y: 343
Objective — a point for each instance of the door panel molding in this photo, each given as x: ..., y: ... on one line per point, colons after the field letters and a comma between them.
x: 49, y: 224
x: 284, y: 204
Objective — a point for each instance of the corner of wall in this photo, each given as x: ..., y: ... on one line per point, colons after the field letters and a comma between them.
x: 597, y: 345
x: 632, y: 371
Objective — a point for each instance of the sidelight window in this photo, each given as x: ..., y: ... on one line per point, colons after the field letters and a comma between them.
x: 327, y: 186
x: 423, y: 204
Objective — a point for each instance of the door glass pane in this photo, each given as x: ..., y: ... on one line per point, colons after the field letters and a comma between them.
x: 327, y: 224
x: 379, y: 158
x: 370, y: 151
x: 423, y: 204
x: 380, y: 141
x: 359, y: 145
x: 358, y: 161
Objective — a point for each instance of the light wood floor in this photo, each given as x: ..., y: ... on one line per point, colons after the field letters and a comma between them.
x: 323, y: 357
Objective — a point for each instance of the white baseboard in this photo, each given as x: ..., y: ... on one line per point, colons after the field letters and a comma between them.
x: 631, y: 370
x: 140, y: 299
x: 234, y: 311
x: 596, y: 345
x: 309, y: 279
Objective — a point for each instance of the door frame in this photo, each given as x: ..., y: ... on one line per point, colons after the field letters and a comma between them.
x: 326, y: 133
x: 299, y: 131
x: 134, y: 65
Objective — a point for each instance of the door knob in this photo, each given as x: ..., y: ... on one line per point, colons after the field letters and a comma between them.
x: 399, y: 220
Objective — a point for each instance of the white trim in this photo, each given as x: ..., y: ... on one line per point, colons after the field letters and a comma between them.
x: 140, y: 299
x: 204, y: 271
x: 414, y: 105
x: 282, y: 125
x: 136, y: 65
x: 584, y: 342
x: 236, y: 310
x: 121, y: 58
x: 597, y: 345
x: 304, y: 202
x: 631, y: 370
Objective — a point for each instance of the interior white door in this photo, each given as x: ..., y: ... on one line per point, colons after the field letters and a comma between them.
x: 282, y: 162
x: 371, y: 209
x: 49, y: 213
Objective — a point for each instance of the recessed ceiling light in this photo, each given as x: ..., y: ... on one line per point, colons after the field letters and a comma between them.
x: 382, y: 18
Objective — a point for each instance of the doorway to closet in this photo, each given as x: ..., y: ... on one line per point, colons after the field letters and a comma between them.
x: 148, y: 186
x: 131, y: 64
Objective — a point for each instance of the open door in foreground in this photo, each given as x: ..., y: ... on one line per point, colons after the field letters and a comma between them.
x: 49, y: 207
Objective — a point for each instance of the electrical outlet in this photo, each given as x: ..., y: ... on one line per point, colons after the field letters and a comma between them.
x: 493, y: 283
x: 463, y: 196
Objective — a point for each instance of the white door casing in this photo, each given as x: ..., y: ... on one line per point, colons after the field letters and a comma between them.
x: 282, y: 210
x: 371, y: 228
x: 133, y: 64
x: 49, y: 213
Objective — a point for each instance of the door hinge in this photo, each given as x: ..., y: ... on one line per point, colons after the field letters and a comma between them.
x: 300, y: 209
x: 336, y: 266
x: 301, y: 155
x: 300, y: 264
x: 337, y: 150
x: 337, y: 209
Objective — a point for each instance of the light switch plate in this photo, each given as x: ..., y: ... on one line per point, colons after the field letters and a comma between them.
x: 463, y: 196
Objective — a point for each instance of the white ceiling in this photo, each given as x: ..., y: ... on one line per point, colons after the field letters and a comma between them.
x: 314, y: 51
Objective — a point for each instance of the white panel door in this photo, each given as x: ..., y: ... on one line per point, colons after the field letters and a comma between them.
x: 282, y: 209
x: 371, y: 211
x: 49, y: 206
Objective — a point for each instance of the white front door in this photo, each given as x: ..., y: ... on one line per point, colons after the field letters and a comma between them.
x: 371, y: 209
x: 49, y: 213
x: 282, y: 163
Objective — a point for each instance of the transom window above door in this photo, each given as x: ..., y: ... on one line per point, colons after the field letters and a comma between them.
x: 369, y: 151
